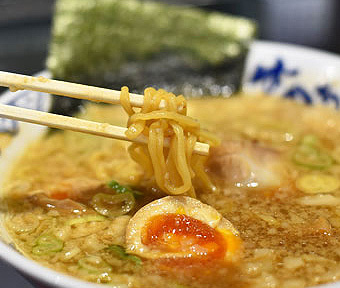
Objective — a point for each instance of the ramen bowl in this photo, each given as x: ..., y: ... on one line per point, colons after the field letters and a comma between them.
x: 279, y: 70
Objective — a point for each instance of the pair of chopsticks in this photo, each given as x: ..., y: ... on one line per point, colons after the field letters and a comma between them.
x: 22, y: 82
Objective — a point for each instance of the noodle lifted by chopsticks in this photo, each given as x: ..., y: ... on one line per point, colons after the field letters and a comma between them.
x: 173, y: 167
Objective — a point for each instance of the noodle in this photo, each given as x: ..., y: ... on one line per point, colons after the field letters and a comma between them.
x: 174, y: 168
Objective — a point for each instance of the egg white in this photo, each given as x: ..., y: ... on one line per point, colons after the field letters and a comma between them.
x: 174, y: 205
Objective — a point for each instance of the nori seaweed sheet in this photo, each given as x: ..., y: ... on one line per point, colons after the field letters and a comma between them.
x: 111, y: 43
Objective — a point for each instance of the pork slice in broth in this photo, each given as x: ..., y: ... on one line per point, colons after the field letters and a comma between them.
x: 247, y: 164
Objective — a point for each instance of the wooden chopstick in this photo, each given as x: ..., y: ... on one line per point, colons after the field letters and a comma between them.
x: 22, y: 82
x: 79, y: 125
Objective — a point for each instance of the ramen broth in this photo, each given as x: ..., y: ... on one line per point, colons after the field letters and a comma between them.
x: 277, y: 174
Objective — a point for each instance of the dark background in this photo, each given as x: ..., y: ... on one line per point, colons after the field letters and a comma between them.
x: 25, y: 29
x: 25, y: 26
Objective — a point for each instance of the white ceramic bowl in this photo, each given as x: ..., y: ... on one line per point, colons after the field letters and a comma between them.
x: 281, y: 70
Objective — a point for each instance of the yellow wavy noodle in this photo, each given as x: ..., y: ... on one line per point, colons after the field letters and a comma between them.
x: 173, y: 167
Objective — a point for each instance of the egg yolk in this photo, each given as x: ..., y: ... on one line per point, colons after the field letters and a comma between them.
x: 180, y: 233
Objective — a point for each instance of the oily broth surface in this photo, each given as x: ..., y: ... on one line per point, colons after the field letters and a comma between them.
x: 286, y: 243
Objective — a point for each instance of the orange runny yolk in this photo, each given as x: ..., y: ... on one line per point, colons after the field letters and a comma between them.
x: 172, y: 233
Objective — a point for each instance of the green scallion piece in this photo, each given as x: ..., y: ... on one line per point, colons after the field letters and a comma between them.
x: 114, y: 185
x: 310, y: 155
x: 46, y: 244
x: 121, y: 253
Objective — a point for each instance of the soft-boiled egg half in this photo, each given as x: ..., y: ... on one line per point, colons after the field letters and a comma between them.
x: 179, y: 227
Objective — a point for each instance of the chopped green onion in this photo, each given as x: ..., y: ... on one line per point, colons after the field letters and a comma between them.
x: 123, y: 189
x: 46, y: 244
x: 134, y: 259
x: 309, y: 154
x: 176, y: 285
x: 118, y: 250
x: 94, y: 265
x: 113, y: 205
x: 311, y: 158
x: 310, y: 140
x: 121, y: 253
x: 85, y: 219
x: 117, y: 187
x: 317, y: 183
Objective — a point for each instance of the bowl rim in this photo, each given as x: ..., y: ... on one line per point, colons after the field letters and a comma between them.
x: 49, y: 276
x: 289, y: 48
